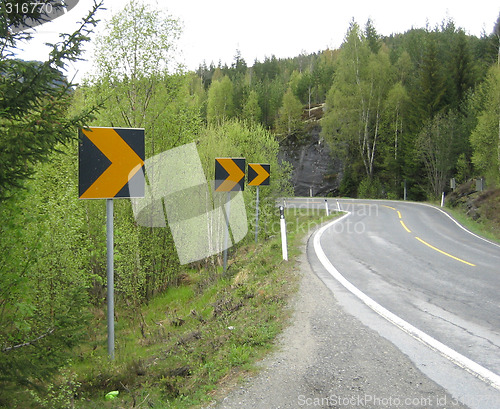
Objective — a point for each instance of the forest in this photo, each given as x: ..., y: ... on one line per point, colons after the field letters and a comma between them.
x: 421, y: 106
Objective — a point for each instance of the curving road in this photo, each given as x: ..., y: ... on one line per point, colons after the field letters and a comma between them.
x: 414, y: 262
x: 406, y: 316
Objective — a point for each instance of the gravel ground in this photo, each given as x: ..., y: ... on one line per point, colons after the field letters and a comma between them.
x: 328, y: 359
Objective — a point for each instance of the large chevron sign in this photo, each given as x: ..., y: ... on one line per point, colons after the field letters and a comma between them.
x: 110, y: 163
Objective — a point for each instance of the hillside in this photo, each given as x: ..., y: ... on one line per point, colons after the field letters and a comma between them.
x: 316, y: 170
x: 482, y: 208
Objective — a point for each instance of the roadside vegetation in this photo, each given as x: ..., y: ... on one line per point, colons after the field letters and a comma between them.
x: 479, y: 211
x: 186, y: 344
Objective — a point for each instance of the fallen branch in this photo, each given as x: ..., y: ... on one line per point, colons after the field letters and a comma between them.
x: 25, y: 344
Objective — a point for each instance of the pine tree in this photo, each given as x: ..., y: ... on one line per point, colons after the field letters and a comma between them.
x: 35, y: 99
x: 432, y: 83
x: 35, y: 334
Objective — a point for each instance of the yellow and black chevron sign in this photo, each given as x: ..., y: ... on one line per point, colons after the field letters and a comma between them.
x: 229, y: 174
x: 258, y: 174
x: 110, y: 163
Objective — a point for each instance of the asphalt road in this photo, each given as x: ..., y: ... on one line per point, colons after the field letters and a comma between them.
x: 420, y: 265
x: 398, y: 308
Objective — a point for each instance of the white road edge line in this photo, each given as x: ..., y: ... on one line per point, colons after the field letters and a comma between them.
x: 459, y: 225
x: 458, y: 359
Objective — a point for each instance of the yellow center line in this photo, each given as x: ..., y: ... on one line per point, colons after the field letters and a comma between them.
x: 427, y: 244
x: 389, y: 207
x: 404, y: 225
x: 443, y: 252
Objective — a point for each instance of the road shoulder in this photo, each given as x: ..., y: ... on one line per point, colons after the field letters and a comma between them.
x: 328, y: 358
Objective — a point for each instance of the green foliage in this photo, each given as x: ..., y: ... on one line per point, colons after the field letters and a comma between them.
x: 290, y: 115
x: 355, y: 102
x: 238, y: 138
x: 386, y: 90
x: 144, y: 93
x: 220, y: 104
x: 43, y: 291
x: 251, y: 110
x: 370, y: 188
x: 485, y: 138
x: 139, y: 42
x: 44, y: 279
x: 60, y: 395
x: 35, y: 99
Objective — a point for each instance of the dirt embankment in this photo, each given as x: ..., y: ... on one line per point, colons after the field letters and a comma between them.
x: 482, y: 207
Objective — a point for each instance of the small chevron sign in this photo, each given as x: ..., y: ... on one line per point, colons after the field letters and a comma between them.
x: 229, y: 174
x: 258, y: 174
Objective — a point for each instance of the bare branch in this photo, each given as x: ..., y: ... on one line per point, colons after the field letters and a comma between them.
x: 28, y: 343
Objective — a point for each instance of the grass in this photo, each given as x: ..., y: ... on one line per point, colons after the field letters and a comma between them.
x: 195, y: 339
x: 477, y: 211
x: 482, y: 227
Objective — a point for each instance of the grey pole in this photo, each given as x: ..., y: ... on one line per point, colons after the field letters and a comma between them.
x: 257, y: 216
x: 110, y: 277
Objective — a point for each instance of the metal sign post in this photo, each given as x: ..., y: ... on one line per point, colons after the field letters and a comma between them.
x: 110, y: 166
x: 226, y: 237
x: 257, y: 216
x: 229, y: 176
x: 110, y: 277
x: 258, y: 175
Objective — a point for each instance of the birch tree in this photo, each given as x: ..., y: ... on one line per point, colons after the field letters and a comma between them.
x: 436, y: 144
x: 220, y: 104
x: 290, y: 115
x: 355, y: 101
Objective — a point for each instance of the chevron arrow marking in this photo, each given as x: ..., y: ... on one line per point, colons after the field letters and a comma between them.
x: 262, y: 174
x: 125, y: 163
x: 234, y: 177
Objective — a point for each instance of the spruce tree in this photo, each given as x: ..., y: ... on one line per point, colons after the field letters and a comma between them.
x: 35, y: 97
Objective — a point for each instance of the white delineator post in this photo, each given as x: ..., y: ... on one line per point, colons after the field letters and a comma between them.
x: 283, y: 233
